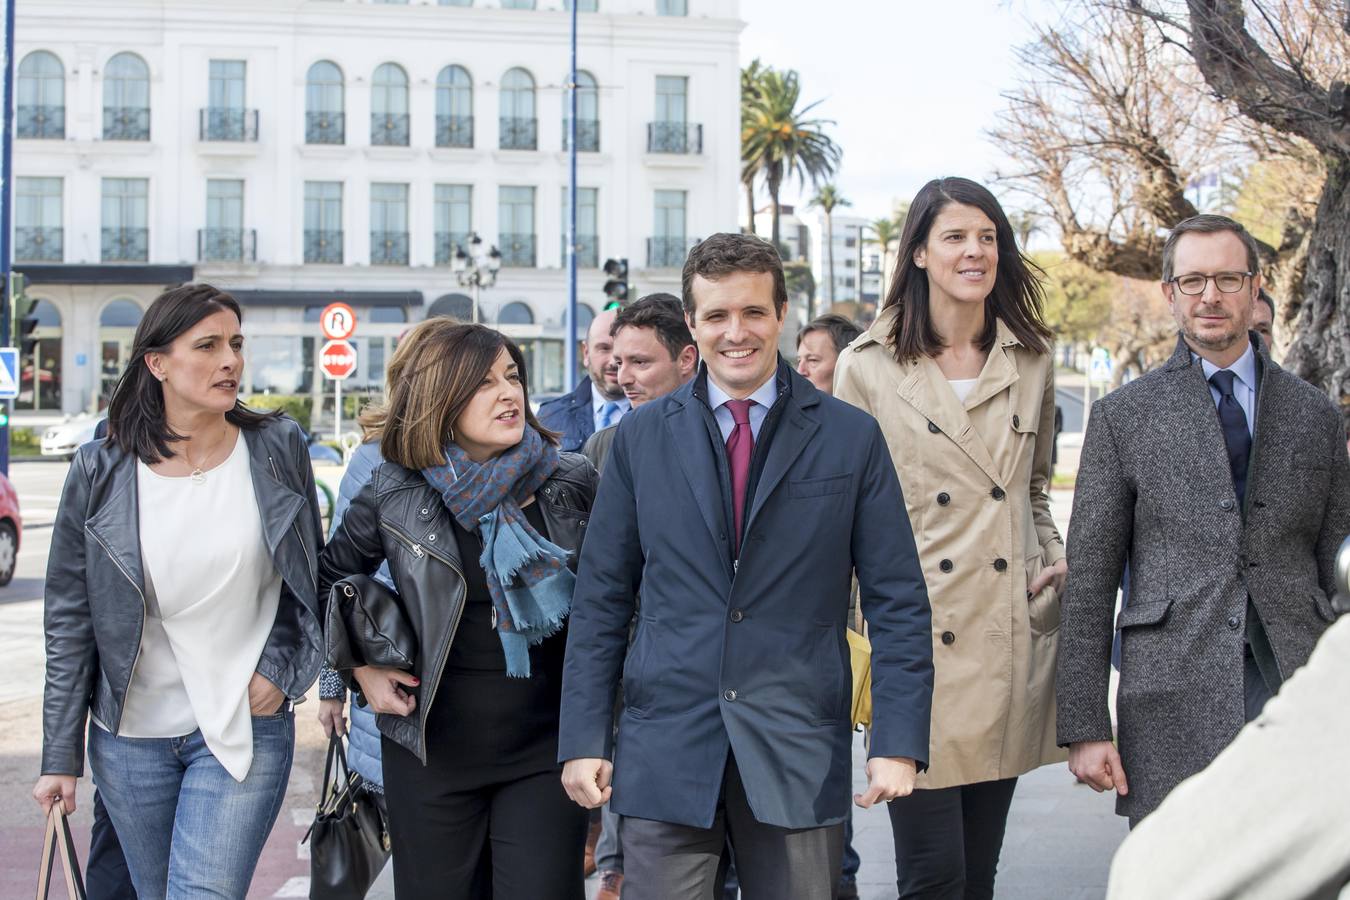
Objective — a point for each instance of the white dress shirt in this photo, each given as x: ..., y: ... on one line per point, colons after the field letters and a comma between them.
x: 765, y: 397
x: 1244, y: 384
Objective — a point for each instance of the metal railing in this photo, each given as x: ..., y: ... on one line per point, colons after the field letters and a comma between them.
x: 588, y: 250
x: 446, y: 242
x: 226, y: 124
x: 518, y: 134
x: 323, y: 246
x: 325, y: 128
x: 517, y: 250
x: 34, y: 244
x: 588, y: 135
x: 674, y: 137
x: 389, y: 129
x: 126, y: 123
x: 454, y: 131
x: 126, y: 244
x: 42, y: 122
x: 389, y: 248
x: 668, y: 252
x: 227, y: 245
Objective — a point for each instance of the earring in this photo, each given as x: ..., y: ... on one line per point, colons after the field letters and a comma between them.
x: 452, y: 434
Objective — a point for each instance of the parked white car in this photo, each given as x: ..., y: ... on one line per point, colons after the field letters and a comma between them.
x: 64, y: 439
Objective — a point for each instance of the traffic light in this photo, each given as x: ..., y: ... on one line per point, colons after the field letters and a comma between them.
x: 616, y: 286
x: 24, y: 320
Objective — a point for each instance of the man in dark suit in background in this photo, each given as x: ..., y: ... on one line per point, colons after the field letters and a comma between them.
x: 741, y: 505
x: 1223, y: 479
x: 598, y: 401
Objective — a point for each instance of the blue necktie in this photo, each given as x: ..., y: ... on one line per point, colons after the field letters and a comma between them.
x: 1233, y: 421
x: 607, y: 413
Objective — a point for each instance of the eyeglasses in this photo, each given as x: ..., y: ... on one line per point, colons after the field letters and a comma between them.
x: 1226, y: 282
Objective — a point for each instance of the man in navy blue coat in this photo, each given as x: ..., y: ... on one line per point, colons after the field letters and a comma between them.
x: 737, y: 687
x: 598, y: 401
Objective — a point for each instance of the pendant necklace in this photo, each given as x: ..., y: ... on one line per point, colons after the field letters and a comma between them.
x: 196, y: 476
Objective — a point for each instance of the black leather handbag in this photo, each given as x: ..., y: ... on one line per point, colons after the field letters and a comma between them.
x: 365, y: 626
x: 349, y: 840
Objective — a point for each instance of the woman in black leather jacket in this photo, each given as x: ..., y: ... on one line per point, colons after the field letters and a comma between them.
x: 480, y: 518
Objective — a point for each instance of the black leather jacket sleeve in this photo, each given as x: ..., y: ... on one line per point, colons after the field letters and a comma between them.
x: 356, y: 547
x: 72, y: 656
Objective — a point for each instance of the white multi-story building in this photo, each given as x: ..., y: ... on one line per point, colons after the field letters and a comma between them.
x: 857, y: 276
x: 297, y: 152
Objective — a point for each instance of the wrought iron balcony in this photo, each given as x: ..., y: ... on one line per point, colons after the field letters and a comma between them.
x: 517, y: 250
x: 227, y: 245
x: 588, y: 254
x: 588, y: 135
x: 227, y: 124
x: 519, y: 134
x: 126, y: 123
x: 126, y: 244
x: 389, y: 248
x: 42, y: 122
x: 668, y: 252
x: 325, y: 128
x: 33, y: 244
x: 389, y: 129
x: 454, y: 131
x: 446, y: 242
x: 323, y: 246
x: 674, y: 137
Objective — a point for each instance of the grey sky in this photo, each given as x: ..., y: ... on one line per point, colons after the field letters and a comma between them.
x: 911, y: 84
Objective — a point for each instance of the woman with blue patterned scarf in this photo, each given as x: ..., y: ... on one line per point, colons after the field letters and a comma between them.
x: 479, y: 518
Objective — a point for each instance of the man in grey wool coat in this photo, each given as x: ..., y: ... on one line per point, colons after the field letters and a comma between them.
x: 1225, y: 482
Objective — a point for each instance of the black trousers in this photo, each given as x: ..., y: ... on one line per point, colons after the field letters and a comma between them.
x: 664, y: 861
x: 105, y: 874
x: 947, y: 840
x: 532, y: 833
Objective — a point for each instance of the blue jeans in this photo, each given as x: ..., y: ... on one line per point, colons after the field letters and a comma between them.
x: 188, y: 829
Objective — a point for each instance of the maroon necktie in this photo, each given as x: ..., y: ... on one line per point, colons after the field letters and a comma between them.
x: 740, y: 448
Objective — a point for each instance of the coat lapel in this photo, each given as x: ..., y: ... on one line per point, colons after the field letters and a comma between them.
x: 688, y: 428
x: 1199, y: 417
x: 116, y: 523
x: 925, y: 389
x: 789, y: 439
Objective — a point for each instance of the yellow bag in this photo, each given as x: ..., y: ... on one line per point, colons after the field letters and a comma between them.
x: 860, y: 661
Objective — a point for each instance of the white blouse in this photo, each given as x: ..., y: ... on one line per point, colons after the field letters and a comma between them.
x: 211, y: 593
x: 962, y: 387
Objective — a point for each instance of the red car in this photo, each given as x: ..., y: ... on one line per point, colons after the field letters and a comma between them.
x: 11, y: 528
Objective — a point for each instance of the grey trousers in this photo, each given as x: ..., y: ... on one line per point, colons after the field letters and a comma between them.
x: 663, y: 861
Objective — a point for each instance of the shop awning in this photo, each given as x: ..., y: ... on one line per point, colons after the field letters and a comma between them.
x: 56, y: 273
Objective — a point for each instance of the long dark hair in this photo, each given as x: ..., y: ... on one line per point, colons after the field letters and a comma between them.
x: 1016, y: 297
x: 440, y: 365
x: 136, y: 420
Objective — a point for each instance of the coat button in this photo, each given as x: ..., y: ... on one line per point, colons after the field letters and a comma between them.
x: 737, y: 615
x: 582, y: 523
x: 1226, y: 504
x: 945, y: 565
x: 729, y: 696
x: 432, y: 537
x: 948, y: 638
x: 933, y: 428
x: 1017, y: 422
x: 426, y: 510
x: 944, y: 498
x: 1234, y: 622
x: 1000, y: 565
x: 997, y: 493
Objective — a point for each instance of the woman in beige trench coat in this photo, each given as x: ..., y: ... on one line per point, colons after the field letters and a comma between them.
x: 958, y: 371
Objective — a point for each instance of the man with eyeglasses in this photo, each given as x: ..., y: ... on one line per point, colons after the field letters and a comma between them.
x: 1224, y: 480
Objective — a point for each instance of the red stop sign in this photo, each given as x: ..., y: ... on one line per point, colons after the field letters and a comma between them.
x: 337, y: 359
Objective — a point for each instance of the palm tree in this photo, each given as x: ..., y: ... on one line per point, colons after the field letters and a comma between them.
x: 887, y: 233
x: 828, y: 198
x: 779, y: 140
x: 752, y: 77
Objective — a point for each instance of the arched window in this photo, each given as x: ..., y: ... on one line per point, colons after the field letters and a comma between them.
x: 389, y: 106
x: 456, y: 306
x: 325, y: 104
x: 126, y: 99
x: 518, y: 125
x: 515, y: 313
x: 454, y: 107
x: 588, y: 114
x: 42, y: 96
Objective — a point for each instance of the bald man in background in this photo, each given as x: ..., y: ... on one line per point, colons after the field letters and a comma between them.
x: 598, y: 402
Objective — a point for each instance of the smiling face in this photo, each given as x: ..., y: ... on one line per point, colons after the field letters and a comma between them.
x: 597, y: 355
x: 1214, y: 323
x: 646, y: 369
x: 494, y: 420
x: 201, y: 370
x: 960, y: 255
x: 736, y: 328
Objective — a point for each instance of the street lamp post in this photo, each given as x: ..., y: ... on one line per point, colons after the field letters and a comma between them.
x: 476, y: 268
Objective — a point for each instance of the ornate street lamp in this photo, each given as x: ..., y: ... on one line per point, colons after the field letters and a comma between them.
x: 476, y: 268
